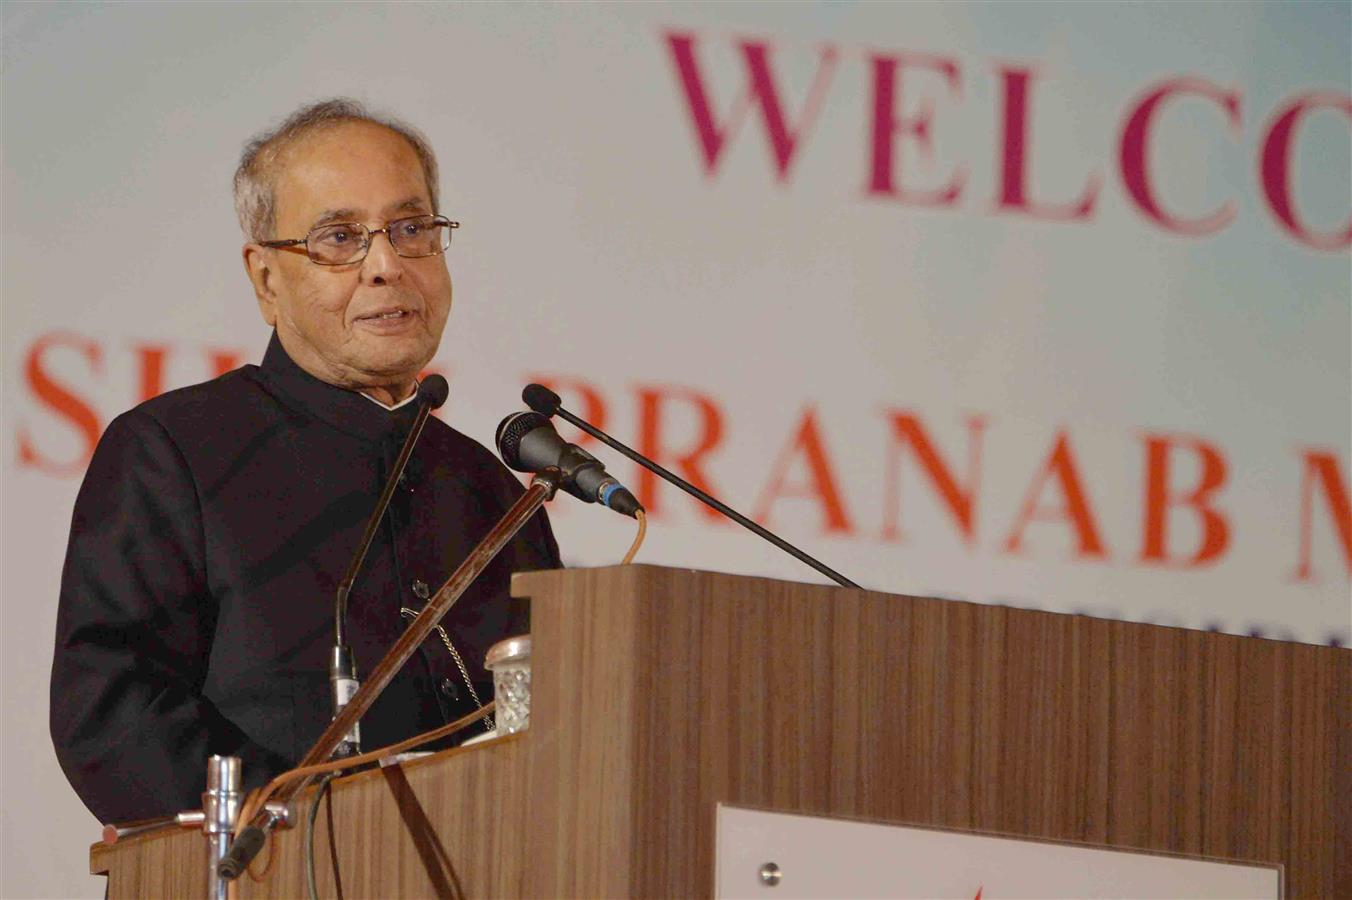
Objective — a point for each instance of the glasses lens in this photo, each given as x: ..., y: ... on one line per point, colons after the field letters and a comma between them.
x: 420, y: 235
x: 334, y: 245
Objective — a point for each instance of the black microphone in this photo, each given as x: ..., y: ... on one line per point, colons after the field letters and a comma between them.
x: 547, y: 404
x: 432, y: 393
x: 528, y: 443
x: 542, y: 400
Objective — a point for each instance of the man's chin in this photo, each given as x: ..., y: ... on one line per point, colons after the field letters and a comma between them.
x: 394, y: 368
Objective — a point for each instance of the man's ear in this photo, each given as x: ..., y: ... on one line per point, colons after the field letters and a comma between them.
x: 262, y: 277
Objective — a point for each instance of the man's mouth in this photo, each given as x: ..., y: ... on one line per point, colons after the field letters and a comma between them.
x: 388, y: 314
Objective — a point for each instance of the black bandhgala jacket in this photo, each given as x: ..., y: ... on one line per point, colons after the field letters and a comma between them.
x: 197, y: 599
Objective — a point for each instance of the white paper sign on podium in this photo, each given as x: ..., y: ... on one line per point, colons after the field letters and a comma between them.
x: 772, y: 855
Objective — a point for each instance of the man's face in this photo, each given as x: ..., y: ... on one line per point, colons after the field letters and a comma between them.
x: 370, y: 325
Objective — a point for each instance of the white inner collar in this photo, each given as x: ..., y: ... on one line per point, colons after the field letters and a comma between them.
x: 405, y: 402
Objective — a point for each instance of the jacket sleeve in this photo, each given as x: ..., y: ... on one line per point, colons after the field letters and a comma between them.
x: 133, y: 636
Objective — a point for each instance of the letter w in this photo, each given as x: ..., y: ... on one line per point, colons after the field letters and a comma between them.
x: 784, y: 137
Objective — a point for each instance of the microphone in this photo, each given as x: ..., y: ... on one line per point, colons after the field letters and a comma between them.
x: 432, y: 393
x: 542, y: 400
x: 528, y: 443
x: 547, y: 404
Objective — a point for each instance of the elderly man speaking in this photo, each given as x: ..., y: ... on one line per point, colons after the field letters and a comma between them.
x: 215, y: 522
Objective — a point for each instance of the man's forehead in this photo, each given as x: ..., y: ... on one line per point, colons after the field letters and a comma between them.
x: 348, y: 172
x: 415, y: 203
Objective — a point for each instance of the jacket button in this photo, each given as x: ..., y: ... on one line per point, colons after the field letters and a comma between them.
x: 448, y: 688
x: 420, y: 589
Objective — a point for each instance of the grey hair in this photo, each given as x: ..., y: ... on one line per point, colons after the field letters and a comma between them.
x: 256, y: 177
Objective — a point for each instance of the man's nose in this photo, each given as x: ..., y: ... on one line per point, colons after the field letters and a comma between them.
x: 382, y: 265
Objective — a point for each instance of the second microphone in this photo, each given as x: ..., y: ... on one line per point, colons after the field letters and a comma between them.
x: 529, y: 443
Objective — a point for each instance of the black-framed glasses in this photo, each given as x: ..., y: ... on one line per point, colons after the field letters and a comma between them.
x: 342, y: 243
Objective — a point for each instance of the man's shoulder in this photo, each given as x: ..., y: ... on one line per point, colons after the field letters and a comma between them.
x: 183, y: 428
x: 202, y: 411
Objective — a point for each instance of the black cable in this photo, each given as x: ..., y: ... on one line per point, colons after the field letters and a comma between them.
x: 333, y: 849
x: 310, y: 835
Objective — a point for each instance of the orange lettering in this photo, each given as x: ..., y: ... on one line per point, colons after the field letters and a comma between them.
x: 822, y: 487
x: 152, y: 371
x: 62, y: 401
x: 1061, y: 464
x: 906, y: 428
x: 651, y: 403
x: 1324, y: 468
x: 223, y: 361
x: 1215, y: 529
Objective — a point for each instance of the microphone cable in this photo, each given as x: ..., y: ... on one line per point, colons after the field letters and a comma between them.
x: 638, y: 538
x: 330, y: 769
x: 258, y: 799
x: 320, y: 794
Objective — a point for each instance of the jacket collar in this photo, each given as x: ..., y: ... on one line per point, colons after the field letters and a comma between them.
x: 344, y: 409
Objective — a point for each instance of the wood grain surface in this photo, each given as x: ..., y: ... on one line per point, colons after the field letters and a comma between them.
x: 658, y: 693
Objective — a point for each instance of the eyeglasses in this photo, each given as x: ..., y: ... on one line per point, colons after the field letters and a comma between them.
x: 348, y: 242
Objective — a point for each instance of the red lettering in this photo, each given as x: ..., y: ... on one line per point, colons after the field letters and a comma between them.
x: 652, y: 402
x: 1135, y: 154
x: 784, y: 139
x: 961, y: 501
x: 821, y: 486
x: 1323, y: 467
x: 1276, y: 169
x: 1013, y: 173
x: 152, y: 359
x: 152, y: 370
x: 886, y: 127
x: 222, y: 361
x: 1061, y: 466
x: 61, y: 400
x: 1159, y: 499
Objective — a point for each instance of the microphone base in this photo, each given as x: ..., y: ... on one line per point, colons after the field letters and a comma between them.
x: 346, y: 749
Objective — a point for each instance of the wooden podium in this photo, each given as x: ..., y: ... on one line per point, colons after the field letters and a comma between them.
x: 658, y: 693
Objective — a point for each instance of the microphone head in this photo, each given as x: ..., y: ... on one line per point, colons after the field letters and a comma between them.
x: 433, y: 390
x: 511, y: 431
x: 541, y: 399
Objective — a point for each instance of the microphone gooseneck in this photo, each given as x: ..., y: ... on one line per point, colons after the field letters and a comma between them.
x: 546, y: 403
x: 432, y: 393
x: 527, y: 442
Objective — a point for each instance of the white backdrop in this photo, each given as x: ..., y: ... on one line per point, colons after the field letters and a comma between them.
x: 1035, y: 304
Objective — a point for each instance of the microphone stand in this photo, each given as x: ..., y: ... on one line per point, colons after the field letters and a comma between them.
x: 342, y: 666
x: 547, y: 403
x: 251, y: 838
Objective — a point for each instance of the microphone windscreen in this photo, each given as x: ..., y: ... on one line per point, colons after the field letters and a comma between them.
x: 510, y: 432
x: 541, y: 399
x: 433, y: 391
